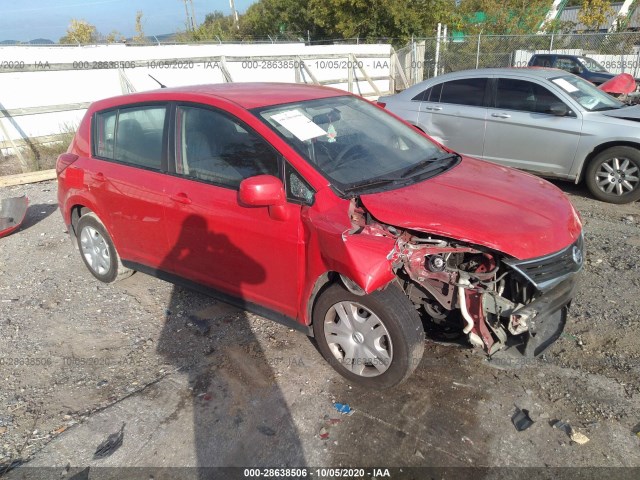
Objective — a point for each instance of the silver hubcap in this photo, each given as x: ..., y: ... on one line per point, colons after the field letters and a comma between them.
x: 617, y: 176
x: 95, y: 250
x: 358, y: 339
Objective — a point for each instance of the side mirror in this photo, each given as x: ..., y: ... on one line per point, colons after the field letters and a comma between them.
x: 576, y: 70
x: 559, y: 109
x: 264, y: 191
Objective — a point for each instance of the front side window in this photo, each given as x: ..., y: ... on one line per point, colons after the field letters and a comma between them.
x: 213, y: 147
x: 524, y: 96
x: 591, y: 64
x: 468, y: 91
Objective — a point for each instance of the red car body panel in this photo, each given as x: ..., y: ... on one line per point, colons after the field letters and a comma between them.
x: 465, y: 203
x: 280, y: 262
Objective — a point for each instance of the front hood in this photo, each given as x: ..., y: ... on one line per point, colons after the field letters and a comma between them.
x: 628, y: 113
x: 484, y: 204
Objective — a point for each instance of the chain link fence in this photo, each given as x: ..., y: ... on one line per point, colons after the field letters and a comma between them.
x: 429, y: 57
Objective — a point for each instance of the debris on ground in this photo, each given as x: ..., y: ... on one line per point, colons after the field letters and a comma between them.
x: 324, y: 433
x: 574, y: 435
x: 111, y: 444
x: 579, y: 438
x: 521, y: 419
x: 343, y: 408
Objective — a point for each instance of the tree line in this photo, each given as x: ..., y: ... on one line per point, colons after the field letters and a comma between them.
x: 395, y: 20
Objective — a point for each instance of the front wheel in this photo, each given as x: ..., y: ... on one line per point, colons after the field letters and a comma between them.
x: 374, y: 340
x: 97, y: 250
x: 614, y: 175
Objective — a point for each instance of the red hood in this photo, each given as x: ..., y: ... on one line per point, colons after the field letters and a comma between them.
x: 484, y: 204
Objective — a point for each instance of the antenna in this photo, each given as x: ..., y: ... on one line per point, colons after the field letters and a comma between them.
x: 157, y: 81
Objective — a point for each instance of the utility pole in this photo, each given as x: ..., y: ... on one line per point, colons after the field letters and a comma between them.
x: 194, y: 21
x: 186, y: 12
x: 234, y: 13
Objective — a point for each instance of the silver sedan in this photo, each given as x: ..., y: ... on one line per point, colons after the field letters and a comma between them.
x: 545, y: 121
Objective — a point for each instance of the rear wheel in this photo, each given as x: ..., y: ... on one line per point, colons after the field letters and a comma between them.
x: 374, y: 340
x: 97, y: 250
x: 614, y: 175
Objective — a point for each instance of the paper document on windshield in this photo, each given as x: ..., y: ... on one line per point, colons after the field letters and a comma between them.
x: 566, y: 86
x: 299, y: 124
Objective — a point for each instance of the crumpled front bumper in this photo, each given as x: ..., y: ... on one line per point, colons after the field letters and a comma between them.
x: 548, y: 315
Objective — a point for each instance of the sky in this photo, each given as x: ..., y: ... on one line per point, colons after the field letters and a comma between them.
x: 26, y: 20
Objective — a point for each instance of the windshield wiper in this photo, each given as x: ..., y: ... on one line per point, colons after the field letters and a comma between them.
x: 372, y: 183
x: 432, y: 163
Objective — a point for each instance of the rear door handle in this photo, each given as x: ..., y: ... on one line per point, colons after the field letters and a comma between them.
x: 181, y: 198
x: 433, y: 109
x: 501, y: 115
x: 99, y: 177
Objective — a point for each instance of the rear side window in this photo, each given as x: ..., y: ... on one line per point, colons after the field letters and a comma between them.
x: 541, y: 62
x: 131, y: 135
x: 105, y: 136
x: 430, y: 94
x: 468, y: 91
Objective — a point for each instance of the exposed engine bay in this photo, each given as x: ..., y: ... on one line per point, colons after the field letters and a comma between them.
x: 459, y: 289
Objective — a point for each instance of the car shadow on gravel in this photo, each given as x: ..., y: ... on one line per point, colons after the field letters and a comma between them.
x: 240, y: 416
x: 36, y: 213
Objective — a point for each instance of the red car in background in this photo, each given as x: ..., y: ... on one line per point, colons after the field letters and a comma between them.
x: 320, y: 210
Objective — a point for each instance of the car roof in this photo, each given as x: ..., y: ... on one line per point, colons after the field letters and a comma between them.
x: 530, y: 72
x: 540, y: 72
x: 247, y: 95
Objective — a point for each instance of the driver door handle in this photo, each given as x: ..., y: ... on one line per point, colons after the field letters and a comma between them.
x: 501, y: 115
x: 181, y: 198
x: 433, y: 109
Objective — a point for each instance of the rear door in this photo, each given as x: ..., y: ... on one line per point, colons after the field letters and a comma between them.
x: 127, y: 179
x: 523, y: 133
x: 455, y: 112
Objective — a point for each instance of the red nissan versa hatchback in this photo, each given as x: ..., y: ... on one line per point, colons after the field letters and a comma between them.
x: 320, y: 210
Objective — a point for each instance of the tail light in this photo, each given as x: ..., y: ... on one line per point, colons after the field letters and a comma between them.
x: 64, y: 161
x: 382, y: 104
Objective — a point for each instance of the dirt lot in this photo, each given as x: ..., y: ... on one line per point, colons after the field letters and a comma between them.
x: 72, y: 349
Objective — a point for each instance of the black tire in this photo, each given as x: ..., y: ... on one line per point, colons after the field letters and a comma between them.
x: 97, y: 250
x: 401, y: 339
x: 599, y: 179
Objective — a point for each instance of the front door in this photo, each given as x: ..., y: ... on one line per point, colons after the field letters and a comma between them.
x: 214, y: 240
x: 523, y: 133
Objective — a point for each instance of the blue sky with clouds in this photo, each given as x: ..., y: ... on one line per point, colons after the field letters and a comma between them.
x: 29, y: 19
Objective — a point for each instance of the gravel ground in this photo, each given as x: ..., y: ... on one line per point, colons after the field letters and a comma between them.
x: 70, y: 346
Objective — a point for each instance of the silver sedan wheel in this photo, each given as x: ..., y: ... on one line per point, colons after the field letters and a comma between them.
x: 358, y: 339
x: 95, y: 250
x: 617, y: 176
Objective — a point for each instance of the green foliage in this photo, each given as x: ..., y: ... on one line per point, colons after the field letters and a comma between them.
x: 371, y: 19
x: 595, y: 14
x: 216, y: 26
x: 278, y: 17
x: 80, y: 31
x: 502, y: 17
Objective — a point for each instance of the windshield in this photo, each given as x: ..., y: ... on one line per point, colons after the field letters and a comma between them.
x: 591, y: 64
x: 586, y: 94
x: 355, y: 144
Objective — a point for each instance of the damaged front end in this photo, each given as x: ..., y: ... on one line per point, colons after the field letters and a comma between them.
x: 493, y: 300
